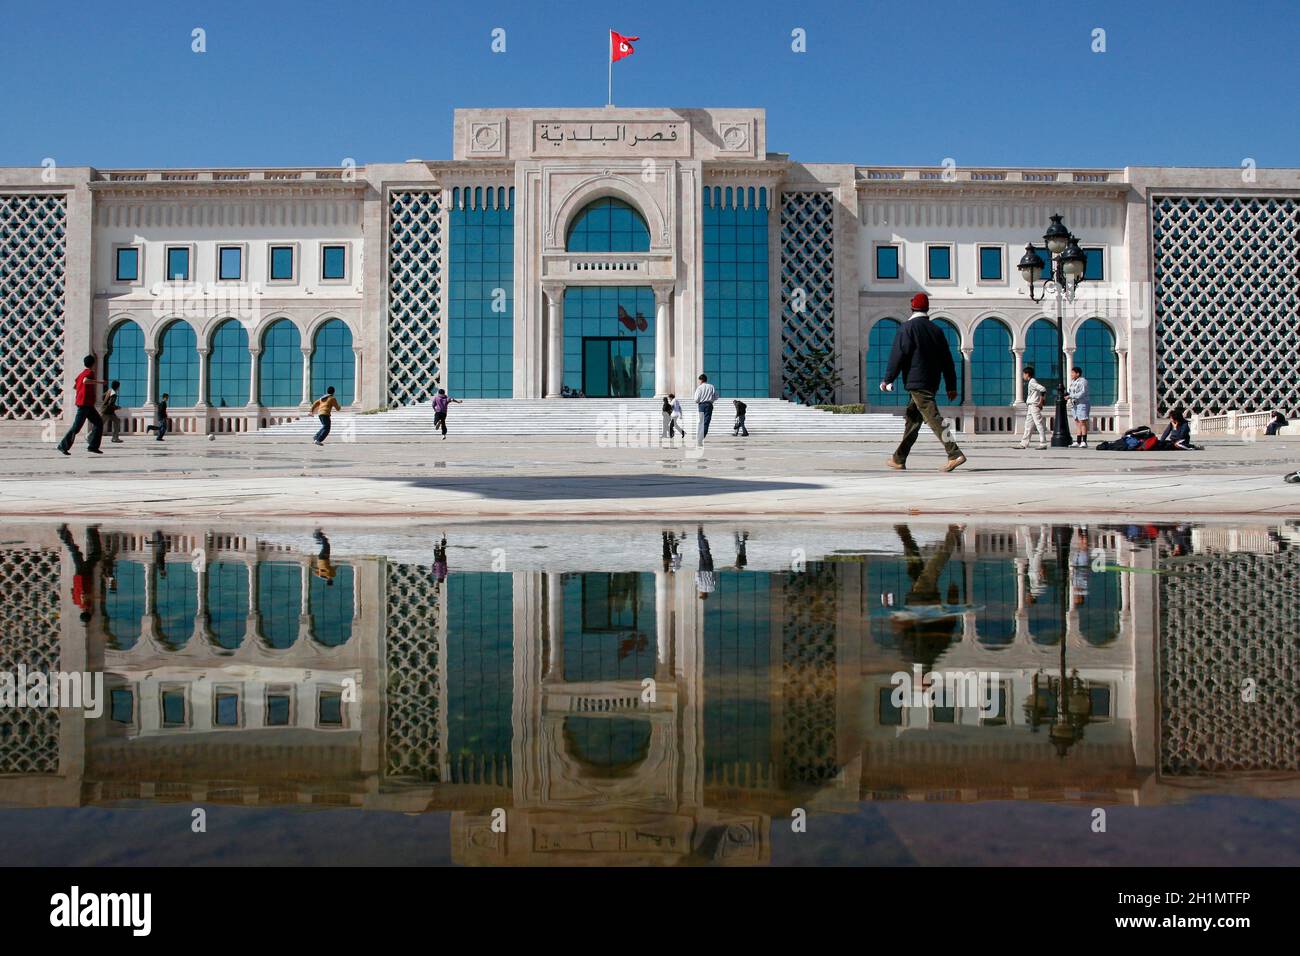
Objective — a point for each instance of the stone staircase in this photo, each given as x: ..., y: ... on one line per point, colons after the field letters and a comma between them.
x: 587, y: 417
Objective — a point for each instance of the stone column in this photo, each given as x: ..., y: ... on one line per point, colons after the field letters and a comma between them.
x: 1018, y: 388
x: 151, y: 379
x: 966, y: 398
x: 663, y: 338
x: 306, y: 376
x: 554, y: 337
x: 555, y: 625
x: 203, y: 377
x: 356, y: 376
x: 254, y: 371
x: 663, y: 623
x: 1122, y: 355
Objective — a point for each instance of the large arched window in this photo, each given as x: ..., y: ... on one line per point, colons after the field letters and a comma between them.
x: 958, y: 361
x: 279, y: 602
x: 1042, y: 352
x: 608, y: 225
x: 994, y: 591
x: 124, y: 604
x: 178, y: 365
x: 330, y: 600
x: 176, y: 602
x: 279, y: 370
x: 128, y: 364
x: 879, y: 344
x: 332, y: 362
x: 227, y: 602
x: 1094, y: 352
x: 992, y: 366
x: 228, y: 365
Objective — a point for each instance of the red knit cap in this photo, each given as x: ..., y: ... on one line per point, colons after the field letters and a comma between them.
x: 920, y: 302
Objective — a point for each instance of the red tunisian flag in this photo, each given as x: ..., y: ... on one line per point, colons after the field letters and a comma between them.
x: 620, y: 46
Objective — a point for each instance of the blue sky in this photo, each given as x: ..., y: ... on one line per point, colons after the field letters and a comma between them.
x: 1181, y: 83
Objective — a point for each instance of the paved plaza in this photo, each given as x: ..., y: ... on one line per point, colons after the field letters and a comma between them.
x: 553, y: 478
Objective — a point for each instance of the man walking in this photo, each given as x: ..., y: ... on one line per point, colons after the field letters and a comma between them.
x: 108, y: 410
x: 705, y: 396
x: 739, y: 428
x: 441, y: 402
x: 1081, y: 403
x: 322, y: 408
x: 920, y: 354
x: 85, y: 398
x: 1034, y: 395
x: 160, y: 418
x: 675, y: 418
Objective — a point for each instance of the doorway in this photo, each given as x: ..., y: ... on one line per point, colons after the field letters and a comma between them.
x: 609, y: 367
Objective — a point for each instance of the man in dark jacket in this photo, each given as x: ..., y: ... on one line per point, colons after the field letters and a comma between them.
x: 920, y: 354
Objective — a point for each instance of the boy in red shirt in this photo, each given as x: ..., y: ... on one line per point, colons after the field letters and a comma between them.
x: 86, y: 411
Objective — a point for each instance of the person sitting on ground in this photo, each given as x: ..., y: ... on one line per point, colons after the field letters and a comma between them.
x: 1276, y: 423
x: 1177, y: 435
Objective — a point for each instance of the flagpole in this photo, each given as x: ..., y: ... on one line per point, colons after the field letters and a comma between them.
x: 609, y: 99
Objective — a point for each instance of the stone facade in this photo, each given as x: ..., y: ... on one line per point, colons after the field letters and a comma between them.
x: 397, y: 279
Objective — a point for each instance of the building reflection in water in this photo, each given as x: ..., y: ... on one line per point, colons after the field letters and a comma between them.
x: 647, y: 708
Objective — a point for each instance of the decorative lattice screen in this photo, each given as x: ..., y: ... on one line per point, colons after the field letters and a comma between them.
x: 1227, y: 303
x: 808, y: 674
x: 1206, y: 655
x: 807, y: 280
x: 32, y: 256
x: 416, y: 232
x: 414, y: 696
x: 29, y: 619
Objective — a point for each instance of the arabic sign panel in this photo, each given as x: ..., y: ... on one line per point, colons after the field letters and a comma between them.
x: 611, y: 139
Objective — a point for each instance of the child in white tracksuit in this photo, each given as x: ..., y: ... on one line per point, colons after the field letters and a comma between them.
x: 1035, y: 394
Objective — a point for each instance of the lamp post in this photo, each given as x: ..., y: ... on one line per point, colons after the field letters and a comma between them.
x: 1068, y: 266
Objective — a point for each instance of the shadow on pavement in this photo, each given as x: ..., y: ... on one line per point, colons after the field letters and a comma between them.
x: 600, y: 487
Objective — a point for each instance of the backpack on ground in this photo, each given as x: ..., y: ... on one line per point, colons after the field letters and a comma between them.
x: 1140, y: 432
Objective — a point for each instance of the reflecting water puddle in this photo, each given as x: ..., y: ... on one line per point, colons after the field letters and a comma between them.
x: 653, y: 693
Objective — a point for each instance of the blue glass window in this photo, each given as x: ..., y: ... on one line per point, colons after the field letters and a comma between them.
x: 128, y: 364
x: 886, y: 262
x: 1047, y: 265
x: 173, y: 708
x: 331, y: 607
x: 279, y: 602
x: 608, y: 623
x: 279, y: 372
x: 178, y: 365
x: 230, y: 263
x: 991, y: 263
x: 992, y: 366
x: 736, y: 291
x: 1095, y: 353
x: 282, y: 263
x: 879, y: 344
x: 227, y: 603
x: 593, y: 311
x: 226, y: 710
x: 333, y: 262
x: 739, y: 686
x: 1095, y: 269
x: 993, y: 591
x: 330, y: 709
x: 480, y: 300
x: 176, y: 602
x: 332, y: 361
x: 229, y: 364
x: 480, y: 674
x: 958, y: 362
x: 278, y: 709
x: 608, y: 225
x: 1043, y: 353
x: 121, y: 706
x: 128, y: 265
x: 939, y: 262
x: 178, y: 263
x: 124, y: 606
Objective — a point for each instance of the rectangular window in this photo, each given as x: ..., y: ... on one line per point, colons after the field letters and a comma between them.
x: 230, y: 263
x: 227, y: 710
x: 890, y: 715
x: 277, y: 709
x: 178, y: 264
x: 173, y: 708
x: 121, y: 706
x: 333, y: 262
x: 886, y: 262
x: 939, y: 263
x: 991, y: 264
x: 330, y: 709
x: 1047, y: 262
x: 1094, y: 270
x: 128, y: 265
x: 282, y: 263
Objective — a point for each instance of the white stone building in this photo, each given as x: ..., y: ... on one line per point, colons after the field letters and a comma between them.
x: 621, y: 252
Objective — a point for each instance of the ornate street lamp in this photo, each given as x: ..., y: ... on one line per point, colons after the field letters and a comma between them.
x: 1068, y: 266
